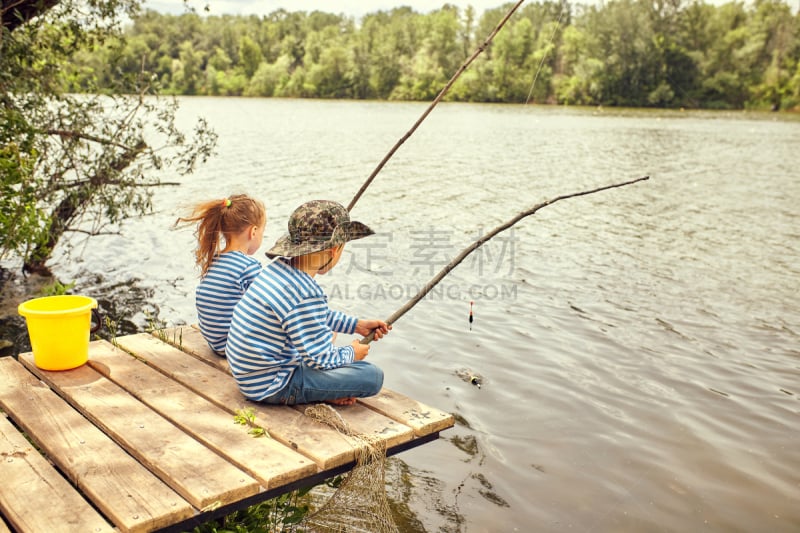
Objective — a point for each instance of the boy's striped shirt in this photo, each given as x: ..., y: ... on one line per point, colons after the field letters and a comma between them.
x: 282, y: 321
x: 219, y: 291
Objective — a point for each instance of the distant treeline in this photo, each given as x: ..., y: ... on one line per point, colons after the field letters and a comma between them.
x: 661, y: 53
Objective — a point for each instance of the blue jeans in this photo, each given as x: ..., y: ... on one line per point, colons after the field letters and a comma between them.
x: 359, y: 379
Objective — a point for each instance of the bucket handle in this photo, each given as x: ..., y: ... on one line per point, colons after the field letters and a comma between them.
x: 96, y: 318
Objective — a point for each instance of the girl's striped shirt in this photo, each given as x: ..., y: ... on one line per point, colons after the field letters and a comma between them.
x: 220, y: 289
x: 283, y: 321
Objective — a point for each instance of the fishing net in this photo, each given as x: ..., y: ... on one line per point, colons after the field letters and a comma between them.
x: 360, y: 503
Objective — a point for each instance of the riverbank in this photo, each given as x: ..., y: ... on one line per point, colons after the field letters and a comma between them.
x: 16, y: 288
x: 125, y: 307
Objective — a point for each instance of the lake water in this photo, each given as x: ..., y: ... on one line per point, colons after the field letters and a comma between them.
x: 638, y: 348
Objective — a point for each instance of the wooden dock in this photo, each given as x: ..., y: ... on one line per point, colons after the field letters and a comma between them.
x: 143, y: 438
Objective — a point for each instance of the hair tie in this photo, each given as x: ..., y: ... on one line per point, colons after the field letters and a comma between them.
x: 226, y: 202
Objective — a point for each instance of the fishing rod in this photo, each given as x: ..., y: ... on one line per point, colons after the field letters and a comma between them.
x: 436, y: 100
x: 478, y: 243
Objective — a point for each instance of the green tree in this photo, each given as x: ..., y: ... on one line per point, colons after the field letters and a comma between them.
x: 250, y: 56
x: 505, y: 72
x: 624, y: 36
x: 187, y: 69
x: 288, y: 35
x: 328, y: 65
x: 269, y: 79
x: 220, y: 60
x: 577, y: 81
x: 664, y: 53
x: 777, y: 32
x: 385, y: 43
x: 77, y: 162
x: 724, y: 65
x: 443, y: 39
x: 793, y: 88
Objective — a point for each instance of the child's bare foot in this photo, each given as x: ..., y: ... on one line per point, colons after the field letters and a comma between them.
x: 342, y: 401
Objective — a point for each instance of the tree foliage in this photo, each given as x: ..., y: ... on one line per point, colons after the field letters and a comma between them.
x: 81, y: 162
x: 664, y: 53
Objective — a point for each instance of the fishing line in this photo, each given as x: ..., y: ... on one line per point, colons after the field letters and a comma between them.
x: 544, y: 56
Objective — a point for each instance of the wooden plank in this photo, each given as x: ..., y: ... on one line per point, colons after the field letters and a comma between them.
x: 35, y: 497
x: 321, y: 444
x: 192, y: 470
x: 365, y: 421
x: 313, y: 439
x: 127, y: 493
x: 272, y: 463
x: 190, y: 340
x: 424, y: 420
x: 360, y: 420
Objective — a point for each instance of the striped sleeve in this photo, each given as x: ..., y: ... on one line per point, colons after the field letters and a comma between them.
x: 249, y: 274
x: 341, y: 323
x: 307, y: 328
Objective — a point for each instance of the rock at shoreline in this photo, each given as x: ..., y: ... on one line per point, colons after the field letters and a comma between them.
x: 15, y: 289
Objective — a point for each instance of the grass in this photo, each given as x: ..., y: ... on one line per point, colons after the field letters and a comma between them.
x: 278, y: 515
x: 247, y: 417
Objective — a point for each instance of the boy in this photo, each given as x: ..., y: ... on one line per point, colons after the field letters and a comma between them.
x: 280, y: 345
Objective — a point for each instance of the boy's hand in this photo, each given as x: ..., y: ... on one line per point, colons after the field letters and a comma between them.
x: 361, y: 349
x: 365, y: 327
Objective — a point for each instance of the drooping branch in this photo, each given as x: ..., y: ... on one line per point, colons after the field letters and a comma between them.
x: 436, y: 100
x: 15, y: 13
x: 69, y: 134
x: 478, y: 243
x: 122, y: 182
x: 73, y: 204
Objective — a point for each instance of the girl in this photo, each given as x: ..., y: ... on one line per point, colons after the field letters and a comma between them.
x: 225, y: 273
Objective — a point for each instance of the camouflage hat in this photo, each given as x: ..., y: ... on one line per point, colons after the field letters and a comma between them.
x: 318, y: 225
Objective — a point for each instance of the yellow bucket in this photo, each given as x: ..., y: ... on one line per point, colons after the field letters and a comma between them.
x: 60, y: 329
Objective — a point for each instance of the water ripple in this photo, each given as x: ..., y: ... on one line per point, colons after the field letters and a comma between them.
x: 638, y: 347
